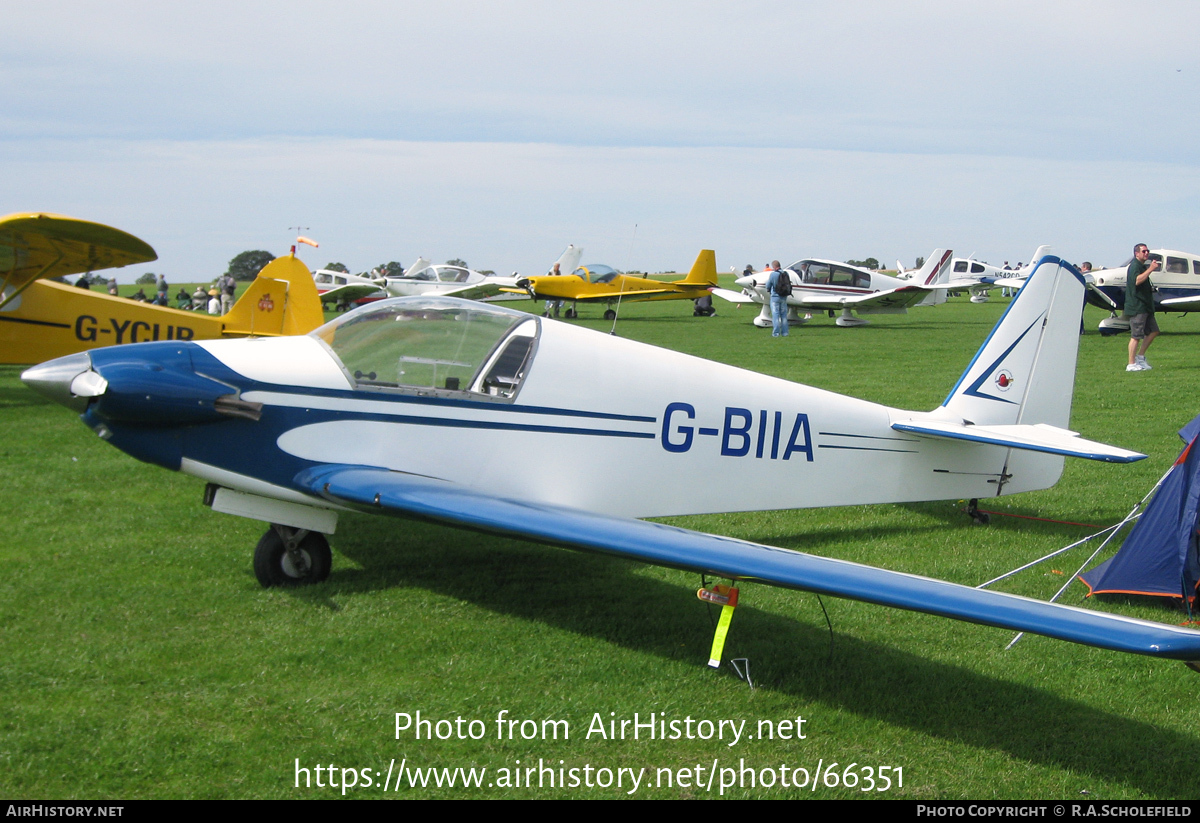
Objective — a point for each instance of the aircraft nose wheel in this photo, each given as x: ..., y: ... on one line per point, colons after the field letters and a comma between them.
x: 291, y: 557
x: 610, y: 315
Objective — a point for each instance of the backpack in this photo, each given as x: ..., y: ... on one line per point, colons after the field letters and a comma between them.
x: 783, y: 284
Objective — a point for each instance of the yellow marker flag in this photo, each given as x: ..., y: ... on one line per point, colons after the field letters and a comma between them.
x: 714, y: 657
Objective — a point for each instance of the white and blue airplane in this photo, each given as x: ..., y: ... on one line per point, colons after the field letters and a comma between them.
x: 408, y: 406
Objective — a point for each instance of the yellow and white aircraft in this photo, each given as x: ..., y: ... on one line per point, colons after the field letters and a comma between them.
x: 599, y: 284
x: 41, y: 319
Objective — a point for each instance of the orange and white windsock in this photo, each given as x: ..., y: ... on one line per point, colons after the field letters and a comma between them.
x: 305, y: 240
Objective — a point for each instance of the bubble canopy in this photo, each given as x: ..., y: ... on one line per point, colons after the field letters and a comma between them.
x: 433, y: 345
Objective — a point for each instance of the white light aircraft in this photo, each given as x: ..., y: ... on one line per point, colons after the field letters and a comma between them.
x: 979, y: 278
x: 342, y: 289
x: 826, y: 285
x: 408, y: 407
x: 423, y: 277
x: 1176, y: 287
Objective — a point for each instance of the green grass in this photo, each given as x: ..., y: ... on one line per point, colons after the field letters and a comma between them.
x: 139, y: 657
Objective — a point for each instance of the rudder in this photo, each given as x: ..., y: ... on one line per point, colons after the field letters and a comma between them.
x: 1025, y: 370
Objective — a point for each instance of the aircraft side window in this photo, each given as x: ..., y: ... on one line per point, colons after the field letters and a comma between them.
x: 845, y: 277
x: 324, y: 278
x: 976, y: 268
x: 960, y: 266
x: 425, y: 274
x: 508, y: 367
x: 1196, y: 266
x: 817, y: 273
x: 341, y: 281
x: 1177, y: 265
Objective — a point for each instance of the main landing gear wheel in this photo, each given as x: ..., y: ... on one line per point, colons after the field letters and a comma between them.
x: 570, y: 314
x: 610, y: 315
x: 291, y: 557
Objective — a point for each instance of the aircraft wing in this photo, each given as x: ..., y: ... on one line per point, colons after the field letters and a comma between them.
x: 898, y: 298
x: 1174, y: 302
x: 350, y: 293
x: 483, y: 289
x: 382, y: 491
x: 733, y: 296
x: 1038, y: 437
x: 35, y: 245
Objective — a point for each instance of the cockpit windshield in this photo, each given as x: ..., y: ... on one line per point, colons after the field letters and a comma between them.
x: 433, y: 343
x: 596, y: 273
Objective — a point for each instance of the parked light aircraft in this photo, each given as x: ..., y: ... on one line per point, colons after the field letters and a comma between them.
x: 1176, y: 287
x: 826, y: 285
x: 404, y: 407
x: 342, y: 289
x: 423, y: 277
x: 979, y: 278
x: 42, y: 319
x: 602, y: 284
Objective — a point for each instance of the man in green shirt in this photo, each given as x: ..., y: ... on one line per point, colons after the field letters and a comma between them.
x: 1139, y: 308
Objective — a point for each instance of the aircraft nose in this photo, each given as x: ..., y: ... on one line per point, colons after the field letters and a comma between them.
x: 68, y: 381
x: 745, y: 282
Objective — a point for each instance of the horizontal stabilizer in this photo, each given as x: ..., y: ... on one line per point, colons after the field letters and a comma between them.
x: 1009, y: 282
x: 1038, y: 437
x: 387, y: 492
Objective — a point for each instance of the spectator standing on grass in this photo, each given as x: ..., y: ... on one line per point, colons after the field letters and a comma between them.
x: 779, y: 286
x: 1139, y: 307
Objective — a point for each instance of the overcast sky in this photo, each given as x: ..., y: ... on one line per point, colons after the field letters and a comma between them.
x: 500, y: 132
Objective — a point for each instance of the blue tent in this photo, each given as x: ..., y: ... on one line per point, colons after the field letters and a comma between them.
x: 1161, y: 556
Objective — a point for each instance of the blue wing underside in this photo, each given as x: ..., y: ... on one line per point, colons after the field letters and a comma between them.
x: 386, y: 492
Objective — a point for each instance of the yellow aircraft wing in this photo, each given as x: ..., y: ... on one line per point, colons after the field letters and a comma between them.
x: 35, y: 245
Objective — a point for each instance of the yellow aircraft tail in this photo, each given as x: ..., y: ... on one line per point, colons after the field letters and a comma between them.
x: 282, y: 300
x: 704, y: 270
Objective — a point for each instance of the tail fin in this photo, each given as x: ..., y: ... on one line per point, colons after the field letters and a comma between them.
x: 1025, y: 370
x: 704, y: 270
x: 1041, y: 252
x: 282, y: 300
x: 936, y: 270
x: 420, y: 264
x: 569, y: 261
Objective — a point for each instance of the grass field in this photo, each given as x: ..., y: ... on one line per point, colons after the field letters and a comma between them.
x: 140, y: 658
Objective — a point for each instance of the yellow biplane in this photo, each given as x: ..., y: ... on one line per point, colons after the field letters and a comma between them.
x: 600, y: 284
x: 42, y: 319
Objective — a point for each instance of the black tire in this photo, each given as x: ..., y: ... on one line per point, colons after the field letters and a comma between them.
x: 569, y: 314
x: 273, y: 568
x: 610, y: 315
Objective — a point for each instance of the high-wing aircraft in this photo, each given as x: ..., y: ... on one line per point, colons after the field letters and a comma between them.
x: 1176, y: 287
x: 603, y: 284
x: 34, y: 246
x: 407, y: 407
x: 42, y: 319
x: 423, y: 277
x: 826, y: 285
x: 342, y: 289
